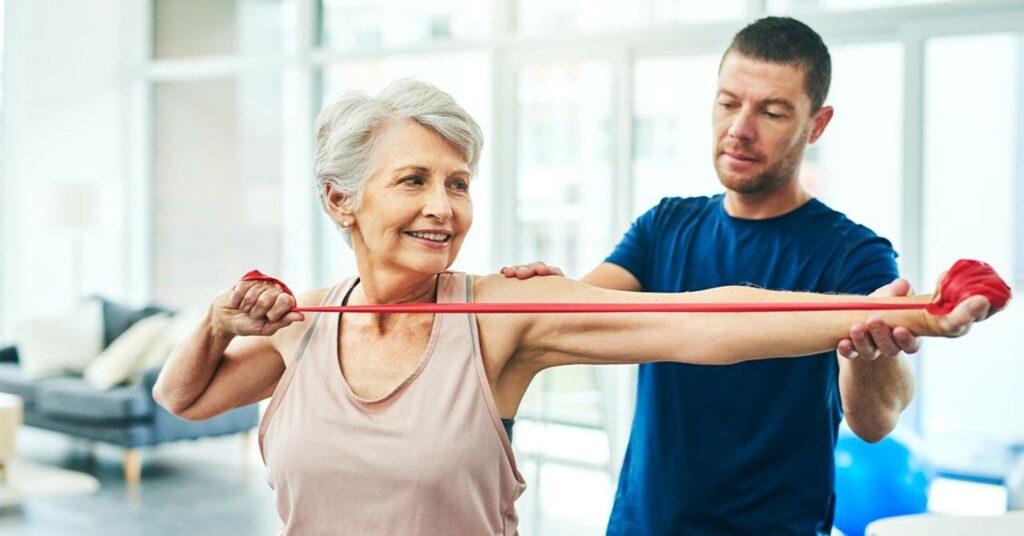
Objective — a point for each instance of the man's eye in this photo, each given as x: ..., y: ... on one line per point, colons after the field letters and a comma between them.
x: 413, y: 181
x: 460, y: 185
x: 773, y: 115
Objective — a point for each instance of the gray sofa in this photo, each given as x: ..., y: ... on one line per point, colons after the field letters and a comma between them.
x: 125, y: 415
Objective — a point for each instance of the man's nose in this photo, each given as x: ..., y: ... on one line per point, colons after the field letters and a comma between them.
x: 743, y: 127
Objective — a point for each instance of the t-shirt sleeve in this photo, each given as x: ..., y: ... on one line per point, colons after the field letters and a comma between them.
x: 634, y: 250
x: 870, y: 263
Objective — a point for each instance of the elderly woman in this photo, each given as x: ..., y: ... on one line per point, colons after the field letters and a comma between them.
x: 393, y: 423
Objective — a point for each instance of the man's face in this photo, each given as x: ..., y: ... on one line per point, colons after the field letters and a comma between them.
x: 762, y: 122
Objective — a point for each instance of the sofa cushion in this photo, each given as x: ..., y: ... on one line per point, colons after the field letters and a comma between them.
x: 118, y: 362
x: 181, y: 326
x: 118, y: 318
x: 14, y: 381
x: 72, y: 398
x: 8, y: 354
x: 127, y: 434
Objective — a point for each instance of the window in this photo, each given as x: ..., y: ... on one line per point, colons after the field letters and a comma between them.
x: 801, y: 6
x: 563, y: 171
x: 672, y: 104
x: 546, y: 17
x: 222, y: 138
x: 563, y: 201
x: 372, y: 24
x: 3, y: 224
x: 972, y: 137
x: 185, y: 28
x: 855, y: 167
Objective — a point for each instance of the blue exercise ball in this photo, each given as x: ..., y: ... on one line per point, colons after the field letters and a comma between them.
x: 878, y: 480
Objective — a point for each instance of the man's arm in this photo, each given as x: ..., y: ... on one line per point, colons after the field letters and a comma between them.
x: 613, y: 277
x: 878, y: 384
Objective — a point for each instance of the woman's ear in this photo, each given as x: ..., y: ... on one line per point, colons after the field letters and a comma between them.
x: 340, y: 206
x: 339, y: 203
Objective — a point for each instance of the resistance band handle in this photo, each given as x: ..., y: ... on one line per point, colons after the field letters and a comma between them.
x: 970, y: 278
x: 256, y: 275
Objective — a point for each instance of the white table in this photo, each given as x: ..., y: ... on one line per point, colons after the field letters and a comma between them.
x: 21, y: 480
x: 1008, y: 524
x: 10, y: 420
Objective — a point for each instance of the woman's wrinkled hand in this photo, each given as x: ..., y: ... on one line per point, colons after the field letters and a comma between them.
x: 253, y: 308
x: 965, y: 314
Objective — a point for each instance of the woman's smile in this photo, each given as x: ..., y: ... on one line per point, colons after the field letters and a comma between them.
x: 433, y: 239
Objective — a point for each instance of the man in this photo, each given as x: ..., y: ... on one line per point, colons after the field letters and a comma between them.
x: 748, y: 448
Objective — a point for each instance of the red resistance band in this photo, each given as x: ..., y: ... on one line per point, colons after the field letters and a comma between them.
x: 965, y: 279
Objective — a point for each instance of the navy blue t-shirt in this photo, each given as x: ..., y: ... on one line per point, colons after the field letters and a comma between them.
x: 745, y: 448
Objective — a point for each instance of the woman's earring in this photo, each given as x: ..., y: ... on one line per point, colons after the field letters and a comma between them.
x: 346, y: 224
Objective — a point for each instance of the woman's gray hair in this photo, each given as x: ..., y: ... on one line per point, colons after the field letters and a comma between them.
x: 346, y: 129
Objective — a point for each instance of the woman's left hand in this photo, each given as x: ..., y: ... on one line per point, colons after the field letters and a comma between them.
x: 958, y: 322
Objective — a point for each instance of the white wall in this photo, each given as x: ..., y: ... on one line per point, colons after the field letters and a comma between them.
x: 66, y: 118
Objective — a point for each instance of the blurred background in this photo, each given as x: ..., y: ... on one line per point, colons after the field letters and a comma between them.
x: 154, y: 151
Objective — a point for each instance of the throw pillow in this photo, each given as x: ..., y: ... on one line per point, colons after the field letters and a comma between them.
x: 60, y: 344
x: 180, y: 326
x: 117, y: 362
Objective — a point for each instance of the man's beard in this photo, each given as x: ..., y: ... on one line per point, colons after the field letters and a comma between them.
x: 770, y: 179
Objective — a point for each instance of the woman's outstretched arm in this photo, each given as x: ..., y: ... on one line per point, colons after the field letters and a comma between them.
x: 699, y: 338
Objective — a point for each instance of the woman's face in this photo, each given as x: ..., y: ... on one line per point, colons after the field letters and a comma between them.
x: 416, y: 208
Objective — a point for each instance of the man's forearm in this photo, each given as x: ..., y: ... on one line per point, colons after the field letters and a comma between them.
x: 874, y: 394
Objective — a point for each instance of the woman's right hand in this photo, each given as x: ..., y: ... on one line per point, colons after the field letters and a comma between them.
x: 252, y: 308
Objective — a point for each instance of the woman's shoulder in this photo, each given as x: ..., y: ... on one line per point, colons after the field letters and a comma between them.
x: 498, y: 288
x: 287, y: 339
x: 312, y: 298
x: 490, y: 286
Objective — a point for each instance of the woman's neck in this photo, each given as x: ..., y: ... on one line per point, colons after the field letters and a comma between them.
x: 380, y: 288
x: 383, y: 286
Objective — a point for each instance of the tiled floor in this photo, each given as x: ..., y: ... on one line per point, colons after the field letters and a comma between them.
x: 209, y: 487
x: 206, y: 487
x: 200, y: 487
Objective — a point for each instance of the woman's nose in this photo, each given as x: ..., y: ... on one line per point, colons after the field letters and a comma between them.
x: 437, y: 205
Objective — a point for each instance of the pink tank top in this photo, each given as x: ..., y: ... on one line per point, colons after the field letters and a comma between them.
x: 431, y: 457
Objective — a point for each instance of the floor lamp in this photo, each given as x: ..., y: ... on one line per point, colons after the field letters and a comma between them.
x: 75, y: 211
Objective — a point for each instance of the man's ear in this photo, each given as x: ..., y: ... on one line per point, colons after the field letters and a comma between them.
x: 820, y: 121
